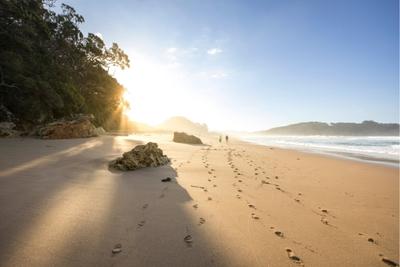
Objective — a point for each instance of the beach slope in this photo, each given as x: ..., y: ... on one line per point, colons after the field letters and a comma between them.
x: 235, y: 204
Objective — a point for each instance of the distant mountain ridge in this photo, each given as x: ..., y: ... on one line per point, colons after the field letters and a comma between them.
x: 366, y: 128
x: 182, y: 124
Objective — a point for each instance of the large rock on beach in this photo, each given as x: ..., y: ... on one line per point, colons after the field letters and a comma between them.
x: 141, y: 156
x: 79, y: 127
x: 99, y: 131
x: 181, y: 137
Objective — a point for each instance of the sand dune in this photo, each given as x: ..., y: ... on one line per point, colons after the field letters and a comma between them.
x: 233, y: 204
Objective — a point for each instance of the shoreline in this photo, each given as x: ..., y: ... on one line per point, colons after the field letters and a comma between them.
x: 395, y: 163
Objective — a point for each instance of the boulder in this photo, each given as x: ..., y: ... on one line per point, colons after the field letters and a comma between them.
x: 79, y: 127
x: 99, y: 131
x: 186, y: 138
x: 7, y: 129
x: 141, y: 156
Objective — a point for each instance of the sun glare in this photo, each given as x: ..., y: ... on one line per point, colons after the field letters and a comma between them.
x: 156, y: 91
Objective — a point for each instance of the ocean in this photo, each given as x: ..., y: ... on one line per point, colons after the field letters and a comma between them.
x: 372, y: 148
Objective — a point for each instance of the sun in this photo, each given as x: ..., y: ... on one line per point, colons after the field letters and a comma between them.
x: 157, y: 90
x: 153, y: 91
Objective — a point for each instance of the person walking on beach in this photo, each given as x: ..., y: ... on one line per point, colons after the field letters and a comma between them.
x: 226, y: 139
x: 220, y: 139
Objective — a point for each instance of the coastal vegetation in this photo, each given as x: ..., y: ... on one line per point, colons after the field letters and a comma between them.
x: 49, y: 69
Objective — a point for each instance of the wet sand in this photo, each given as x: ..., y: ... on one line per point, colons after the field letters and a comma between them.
x: 233, y: 204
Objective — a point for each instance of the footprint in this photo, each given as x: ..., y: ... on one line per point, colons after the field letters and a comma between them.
x: 117, y: 249
x: 240, y: 190
x: 251, y: 206
x: 255, y: 217
x: 238, y: 196
x: 188, y: 240
x: 239, y: 181
x: 324, y: 221
x: 215, y: 185
x: 293, y: 256
x: 389, y: 262
x: 279, y: 233
x: 209, y: 198
x: 145, y: 206
x: 195, y: 206
x: 201, y: 221
x: 141, y: 224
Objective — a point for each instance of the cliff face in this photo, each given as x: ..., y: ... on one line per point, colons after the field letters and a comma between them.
x: 366, y: 128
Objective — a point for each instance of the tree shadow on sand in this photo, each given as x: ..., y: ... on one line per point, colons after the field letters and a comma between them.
x: 74, y: 212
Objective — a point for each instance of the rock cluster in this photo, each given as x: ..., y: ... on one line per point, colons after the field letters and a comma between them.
x: 79, y: 127
x: 7, y: 129
x: 181, y: 137
x: 141, y: 156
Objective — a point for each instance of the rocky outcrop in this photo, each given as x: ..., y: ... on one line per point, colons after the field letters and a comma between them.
x: 79, y: 127
x: 99, y: 131
x: 186, y: 138
x: 7, y: 129
x: 141, y: 156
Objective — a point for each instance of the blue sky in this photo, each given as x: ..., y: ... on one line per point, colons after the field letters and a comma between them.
x: 251, y: 65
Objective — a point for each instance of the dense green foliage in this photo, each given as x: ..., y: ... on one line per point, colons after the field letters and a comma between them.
x: 49, y: 69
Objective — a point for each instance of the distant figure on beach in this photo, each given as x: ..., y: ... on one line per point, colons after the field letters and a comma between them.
x: 220, y: 139
x: 226, y: 139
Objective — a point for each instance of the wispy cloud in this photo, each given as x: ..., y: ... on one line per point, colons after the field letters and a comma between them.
x: 214, y: 51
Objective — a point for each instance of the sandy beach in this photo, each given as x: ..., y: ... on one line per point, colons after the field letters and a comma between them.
x: 235, y: 204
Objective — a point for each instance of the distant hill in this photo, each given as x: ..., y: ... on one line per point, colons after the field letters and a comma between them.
x: 366, y: 128
x: 183, y: 124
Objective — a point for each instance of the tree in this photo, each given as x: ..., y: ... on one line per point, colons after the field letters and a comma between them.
x: 49, y: 69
